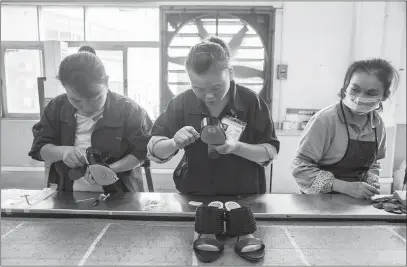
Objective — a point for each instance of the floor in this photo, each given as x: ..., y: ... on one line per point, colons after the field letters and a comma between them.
x: 83, y: 242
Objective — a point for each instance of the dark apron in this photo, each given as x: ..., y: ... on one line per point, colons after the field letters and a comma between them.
x: 358, y: 158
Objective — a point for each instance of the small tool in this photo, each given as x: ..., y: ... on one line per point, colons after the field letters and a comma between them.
x: 96, y: 202
x: 26, y: 199
x: 102, y: 197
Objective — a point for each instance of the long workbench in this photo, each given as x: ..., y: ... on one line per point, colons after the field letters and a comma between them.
x: 174, y: 206
x: 145, y: 229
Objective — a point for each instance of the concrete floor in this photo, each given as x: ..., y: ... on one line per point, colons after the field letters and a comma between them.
x: 118, y: 243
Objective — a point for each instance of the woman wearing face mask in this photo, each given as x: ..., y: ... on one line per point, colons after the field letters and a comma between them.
x: 341, y: 144
x: 89, y: 115
x: 240, y: 167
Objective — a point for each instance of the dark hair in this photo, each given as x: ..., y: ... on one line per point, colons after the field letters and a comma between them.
x: 202, y: 56
x: 84, y: 73
x: 219, y: 41
x: 381, y: 68
x: 87, y: 48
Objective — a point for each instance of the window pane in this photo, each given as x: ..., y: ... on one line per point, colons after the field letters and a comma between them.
x: 19, y: 23
x: 178, y: 77
x: 250, y: 54
x: 22, y: 67
x: 122, y: 24
x: 143, y: 78
x: 257, y: 64
x: 178, y: 52
x: 62, y: 23
x: 72, y: 50
x: 113, y: 62
x: 180, y: 40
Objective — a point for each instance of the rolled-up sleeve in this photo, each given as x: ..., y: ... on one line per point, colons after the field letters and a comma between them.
x: 46, y: 131
x: 165, y: 127
x: 264, y: 131
x: 150, y: 147
x: 315, y: 139
x: 137, y: 130
x: 313, y: 145
x: 272, y: 152
x: 310, y: 178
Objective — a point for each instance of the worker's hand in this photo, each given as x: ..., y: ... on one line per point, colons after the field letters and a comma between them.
x: 373, y: 180
x: 229, y: 147
x: 185, y: 136
x: 74, y: 157
x: 360, y: 190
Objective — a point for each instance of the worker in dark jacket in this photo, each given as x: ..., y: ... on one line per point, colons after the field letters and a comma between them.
x: 91, y: 116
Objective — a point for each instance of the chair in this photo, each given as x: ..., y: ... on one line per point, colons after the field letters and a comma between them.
x: 42, y: 100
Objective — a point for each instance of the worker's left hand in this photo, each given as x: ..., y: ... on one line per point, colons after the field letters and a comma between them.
x: 229, y: 147
x: 373, y: 180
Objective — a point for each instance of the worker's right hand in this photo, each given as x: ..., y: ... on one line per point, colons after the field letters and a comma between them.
x: 185, y: 136
x: 361, y: 190
x: 74, y: 157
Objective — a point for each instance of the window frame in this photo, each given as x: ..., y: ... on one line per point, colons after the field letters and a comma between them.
x: 26, y: 45
x: 40, y: 18
x: 37, y: 21
x: 167, y: 10
x: 118, y: 46
x: 86, y: 10
x: 97, y: 45
x: 109, y: 46
x: 39, y: 44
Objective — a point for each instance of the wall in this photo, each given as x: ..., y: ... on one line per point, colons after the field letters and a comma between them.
x: 283, y: 180
x: 400, y: 97
x: 313, y: 39
x: 400, y: 151
x: 318, y: 40
x: 319, y: 47
x: 380, y: 31
x: 386, y: 24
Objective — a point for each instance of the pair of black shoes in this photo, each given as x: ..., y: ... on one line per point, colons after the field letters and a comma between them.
x: 239, y: 222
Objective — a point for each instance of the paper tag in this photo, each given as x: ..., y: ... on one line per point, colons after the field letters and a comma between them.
x: 235, y: 127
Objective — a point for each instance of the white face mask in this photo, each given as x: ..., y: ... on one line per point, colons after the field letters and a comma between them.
x: 361, y: 105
